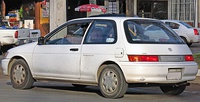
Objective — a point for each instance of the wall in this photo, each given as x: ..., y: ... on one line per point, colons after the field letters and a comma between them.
x: 57, y: 13
x: 198, y: 8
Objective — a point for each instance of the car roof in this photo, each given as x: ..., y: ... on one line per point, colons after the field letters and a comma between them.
x: 115, y: 18
x: 177, y: 21
x: 109, y: 15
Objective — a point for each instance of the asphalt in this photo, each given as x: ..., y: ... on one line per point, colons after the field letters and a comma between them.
x: 196, y: 81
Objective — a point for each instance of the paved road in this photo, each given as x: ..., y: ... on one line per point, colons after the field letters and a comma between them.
x: 61, y: 92
x: 195, y: 48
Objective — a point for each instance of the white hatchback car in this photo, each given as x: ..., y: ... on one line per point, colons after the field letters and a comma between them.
x: 110, y: 52
x: 185, y: 31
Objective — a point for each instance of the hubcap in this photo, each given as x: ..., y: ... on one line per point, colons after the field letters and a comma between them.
x: 19, y: 74
x: 110, y: 82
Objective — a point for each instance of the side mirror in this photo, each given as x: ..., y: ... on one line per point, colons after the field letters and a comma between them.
x: 41, y: 41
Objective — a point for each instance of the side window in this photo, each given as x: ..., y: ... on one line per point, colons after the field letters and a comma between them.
x: 69, y: 34
x: 101, y: 32
x: 172, y: 25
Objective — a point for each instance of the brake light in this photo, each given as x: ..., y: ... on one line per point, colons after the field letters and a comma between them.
x: 196, y: 32
x: 189, y: 58
x: 16, y: 34
x: 143, y: 58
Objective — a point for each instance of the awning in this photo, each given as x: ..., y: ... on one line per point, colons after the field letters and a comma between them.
x: 16, y: 4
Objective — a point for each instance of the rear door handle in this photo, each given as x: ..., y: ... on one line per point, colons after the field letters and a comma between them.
x: 74, y: 49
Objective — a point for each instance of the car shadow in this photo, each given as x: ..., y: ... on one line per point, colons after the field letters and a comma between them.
x: 94, y: 89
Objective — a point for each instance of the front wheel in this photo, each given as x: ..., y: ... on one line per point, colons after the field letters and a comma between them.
x: 173, y: 90
x: 20, y: 75
x: 112, y: 83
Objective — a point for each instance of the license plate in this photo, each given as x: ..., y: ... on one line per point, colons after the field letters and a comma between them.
x: 174, y: 74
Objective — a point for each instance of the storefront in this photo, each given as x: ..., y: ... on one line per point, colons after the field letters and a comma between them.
x: 152, y: 9
x: 33, y: 14
x: 185, y: 10
x: 142, y: 8
x: 64, y: 10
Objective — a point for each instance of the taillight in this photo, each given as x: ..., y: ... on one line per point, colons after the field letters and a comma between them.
x: 143, y: 58
x: 189, y: 58
x: 16, y: 34
x: 196, y: 32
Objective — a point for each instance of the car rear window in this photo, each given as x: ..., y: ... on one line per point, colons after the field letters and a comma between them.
x: 186, y: 25
x: 150, y: 31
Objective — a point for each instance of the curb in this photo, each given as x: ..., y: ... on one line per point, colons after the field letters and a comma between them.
x: 198, y: 74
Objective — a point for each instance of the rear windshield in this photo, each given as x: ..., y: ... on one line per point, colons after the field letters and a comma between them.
x: 150, y: 31
x: 186, y: 25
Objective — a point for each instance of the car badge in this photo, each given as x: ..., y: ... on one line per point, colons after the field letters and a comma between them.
x: 170, y: 49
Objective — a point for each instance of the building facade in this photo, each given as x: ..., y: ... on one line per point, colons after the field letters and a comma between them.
x: 185, y: 10
x: 57, y: 12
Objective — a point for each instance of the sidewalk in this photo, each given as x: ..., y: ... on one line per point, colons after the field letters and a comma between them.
x: 198, y: 74
x: 197, y: 80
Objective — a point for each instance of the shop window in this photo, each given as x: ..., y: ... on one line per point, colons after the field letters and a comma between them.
x: 28, y: 11
x: 100, y: 2
x: 182, y: 9
x: 153, y: 9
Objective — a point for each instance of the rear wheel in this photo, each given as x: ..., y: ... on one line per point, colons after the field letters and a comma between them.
x: 20, y: 75
x: 173, y: 90
x: 185, y: 40
x: 112, y: 83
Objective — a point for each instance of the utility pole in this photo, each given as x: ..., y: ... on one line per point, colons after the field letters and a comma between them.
x: 3, y: 9
x: 57, y: 13
x: 196, y: 14
x: 130, y: 7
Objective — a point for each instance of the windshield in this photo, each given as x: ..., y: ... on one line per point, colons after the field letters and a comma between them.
x: 150, y: 31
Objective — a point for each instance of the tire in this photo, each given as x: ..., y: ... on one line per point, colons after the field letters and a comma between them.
x: 5, y: 48
x: 20, y: 75
x: 112, y: 83
x: 189, y: 44
x: 185, y: 40
x: 79, y: 86
x: 173, y: 90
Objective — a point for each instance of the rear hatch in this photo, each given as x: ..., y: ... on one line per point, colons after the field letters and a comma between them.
x: 159, y: 52
x: 23, y: 36
x: 153, y: 40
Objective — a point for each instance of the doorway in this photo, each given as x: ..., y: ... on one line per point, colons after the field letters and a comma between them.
x: 157, y: 9
x: 71, y: 5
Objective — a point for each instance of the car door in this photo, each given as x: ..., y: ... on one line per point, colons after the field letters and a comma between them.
x: 59, y: 57
x: 99, y: 46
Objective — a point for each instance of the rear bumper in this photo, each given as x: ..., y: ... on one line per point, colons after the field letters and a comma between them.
x: 8, y: 41
x: 195, y: 39
x: 159, y: 72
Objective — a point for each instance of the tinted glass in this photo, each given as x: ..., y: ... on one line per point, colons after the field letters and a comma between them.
x: 101, y: 32
x: 150, y: 31
x: 172, y: 25
x: 186, y: 25
x: 68, y: 34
